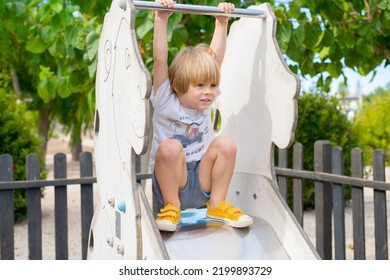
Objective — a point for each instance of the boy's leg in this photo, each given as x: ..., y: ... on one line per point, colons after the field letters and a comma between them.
x: 215, y: 173
x: 171, y: 173
x: 216, y: 168
x: 170, y: 170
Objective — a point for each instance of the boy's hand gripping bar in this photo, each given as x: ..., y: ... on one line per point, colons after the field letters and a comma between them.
x: 198, y: 9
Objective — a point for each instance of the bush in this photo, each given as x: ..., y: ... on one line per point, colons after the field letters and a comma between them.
x: 320, y: 117
x: 18, y: 139
x: 371, y: 123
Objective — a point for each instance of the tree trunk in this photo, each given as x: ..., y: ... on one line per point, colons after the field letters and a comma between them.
x: 76, y: 150
x: 43, y: 130
x: 16, y: 85
x: 76, y: 142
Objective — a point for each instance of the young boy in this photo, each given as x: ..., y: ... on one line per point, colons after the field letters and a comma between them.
x: 191, y: 167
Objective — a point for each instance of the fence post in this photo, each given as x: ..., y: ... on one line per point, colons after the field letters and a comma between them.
x: 34, y: 212
x: 359, y: 241
x: 323, y: 195
x: 380, y: 211
x: 282, y: 180
x: 338, y: 205
x: 298, y: 183
x: 86, y: 170
x: 61, y: 208
x: 7, y: 241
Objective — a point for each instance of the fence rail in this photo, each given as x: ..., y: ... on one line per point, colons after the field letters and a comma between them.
x: 329, y: 200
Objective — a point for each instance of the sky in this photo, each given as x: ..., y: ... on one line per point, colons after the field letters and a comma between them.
x: 357, y: 84
x: 363, y: 84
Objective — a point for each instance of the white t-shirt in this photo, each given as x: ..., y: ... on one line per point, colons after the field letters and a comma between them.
x: 192, y: 127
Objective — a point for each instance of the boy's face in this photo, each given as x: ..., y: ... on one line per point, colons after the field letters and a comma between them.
x: 199, y: 96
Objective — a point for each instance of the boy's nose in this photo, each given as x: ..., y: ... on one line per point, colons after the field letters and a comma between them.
x: 209, y: 90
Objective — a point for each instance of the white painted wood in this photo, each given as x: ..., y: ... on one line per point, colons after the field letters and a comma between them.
x: 258, y: 105
x: 259, y: 110
x: 123, y: 87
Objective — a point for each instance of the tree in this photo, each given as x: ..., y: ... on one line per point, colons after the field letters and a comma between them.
x: 48, y: 50
x: 18, y: 138
x: 50, y: 47
x: 322, y: 37
x: 371, y: 123
x: 321, y: 118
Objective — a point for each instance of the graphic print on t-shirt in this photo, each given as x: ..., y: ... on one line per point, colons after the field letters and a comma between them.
x: 191, y: 133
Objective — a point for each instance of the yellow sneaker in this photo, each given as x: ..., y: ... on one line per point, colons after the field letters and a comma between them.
x: 226, y: 213
x: 169, y: 218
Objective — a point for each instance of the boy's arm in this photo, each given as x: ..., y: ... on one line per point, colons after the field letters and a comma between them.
x: 160, y: 45
x: 218, y: 42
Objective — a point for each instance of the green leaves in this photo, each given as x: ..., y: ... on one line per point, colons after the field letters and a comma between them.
x: 92, y: 50
x: 47, y: 84
x: 180, y: 35
x: 174, y: 25
x: 384, y: 5
x: 53, y: 44
x: 144, y: 23
x: 51, y: 47
x: 55, y: 6
x: 312, y: 35
x: 365, y: 48
x: 331, y: 10
x: 325, y: 36
x: 320, y: 117
x: 284, y: 32
x: 371, y: 123
x: 35, y: 45
x: 334, y: 69
x: 18, y: 139
x: 298, y: 35
x: 74, y: 37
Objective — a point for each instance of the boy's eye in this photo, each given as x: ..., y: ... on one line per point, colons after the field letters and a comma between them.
x: 213, y: 85
x: 200, y: 85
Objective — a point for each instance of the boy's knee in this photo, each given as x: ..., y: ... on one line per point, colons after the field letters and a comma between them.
x: 169, y: 149
x: 226, y: 145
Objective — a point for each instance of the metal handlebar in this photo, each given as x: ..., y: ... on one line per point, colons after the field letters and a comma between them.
x: 198, y: 9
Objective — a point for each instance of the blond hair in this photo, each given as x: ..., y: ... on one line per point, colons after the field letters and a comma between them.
x: 193, y: 65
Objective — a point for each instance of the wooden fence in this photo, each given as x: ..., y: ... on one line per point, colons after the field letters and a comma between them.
x: 33, y: 185
x: 329, y: 197
x: 329, y: 200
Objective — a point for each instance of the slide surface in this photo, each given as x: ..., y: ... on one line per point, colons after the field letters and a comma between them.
x: 198, y: 239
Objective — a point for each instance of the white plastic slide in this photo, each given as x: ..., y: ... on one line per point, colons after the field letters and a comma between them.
x: 258, y: 109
